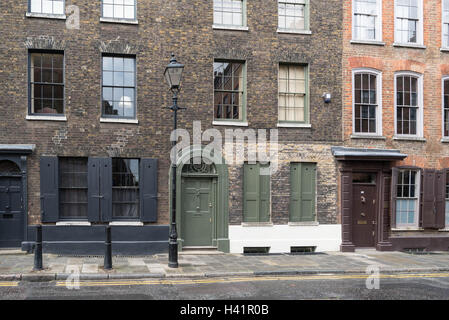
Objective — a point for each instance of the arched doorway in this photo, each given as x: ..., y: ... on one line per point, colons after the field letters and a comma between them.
x: 202, y: 201
x: 11, y: 205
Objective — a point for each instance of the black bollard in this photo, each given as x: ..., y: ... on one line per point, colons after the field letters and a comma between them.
x: 108, y: 250
x: 38, y: 249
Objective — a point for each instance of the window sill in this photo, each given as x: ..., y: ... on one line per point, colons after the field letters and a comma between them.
x: 368, y: 42
x: 407, y: 229
x: 294, y: 125
x: 122, y: 21
x: 409, y: 45
x: 232, y: 28
x: 408, y: 138
x: 374, y: 137
x: 444, y: 49
x: 293, y: 31
x: 73, y: 223
x: 257, y: 224
x: 125, y: 121
x: 230, y: 123
x: 46, y: 16
x: 445, y: 140
x: 126, y: 223
x: 46, y: 118
x: 302, y: 224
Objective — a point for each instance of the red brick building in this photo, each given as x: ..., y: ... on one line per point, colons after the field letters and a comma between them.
x: 395, y: 99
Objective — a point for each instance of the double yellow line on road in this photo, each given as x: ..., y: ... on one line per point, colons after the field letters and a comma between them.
x: 110, y: 283
x: 9, y: 284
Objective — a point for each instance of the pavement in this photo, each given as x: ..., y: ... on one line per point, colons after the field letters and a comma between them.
x: 18, y: 266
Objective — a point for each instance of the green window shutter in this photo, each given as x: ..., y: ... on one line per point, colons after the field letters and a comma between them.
x: 295, y: 192
x: 308, y: 187
x: 251, y: 195
x: 303, y: 192
x: 264, y: 206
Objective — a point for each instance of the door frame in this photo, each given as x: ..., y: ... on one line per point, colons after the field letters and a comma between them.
x: 382, y: 214
x: 220, y: 238
x: 21, y: 162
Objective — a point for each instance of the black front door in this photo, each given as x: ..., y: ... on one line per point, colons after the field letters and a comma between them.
x: 11, y: 211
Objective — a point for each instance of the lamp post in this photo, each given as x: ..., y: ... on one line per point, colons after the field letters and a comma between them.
x: 173, y: 75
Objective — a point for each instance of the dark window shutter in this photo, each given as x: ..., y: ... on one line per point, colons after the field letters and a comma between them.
x: 440, y: 198
x: 251, y: 194
x: 148, y: 190
x: 106, y: 189
x: 394, y: 183
x: 93, y: 183
x: 428, y: 206
x: 49, y: 183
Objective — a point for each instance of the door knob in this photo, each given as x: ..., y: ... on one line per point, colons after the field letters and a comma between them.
x: 210, y: 205
x: 363, y: 199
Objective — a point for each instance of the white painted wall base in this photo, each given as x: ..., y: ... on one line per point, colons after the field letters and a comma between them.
x: 281, y: 237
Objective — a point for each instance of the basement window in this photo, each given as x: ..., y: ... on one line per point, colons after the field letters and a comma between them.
x: 256, y: 250
x: 299, y: 250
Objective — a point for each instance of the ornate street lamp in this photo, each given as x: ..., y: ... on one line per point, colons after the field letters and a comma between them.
x: 173, y: 75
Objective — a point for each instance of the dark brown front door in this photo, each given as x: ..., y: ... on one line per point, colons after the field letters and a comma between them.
x: 364, y: 214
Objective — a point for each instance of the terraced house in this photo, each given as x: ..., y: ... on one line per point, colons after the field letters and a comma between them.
x: 394, y: 169
x: 85, y: 138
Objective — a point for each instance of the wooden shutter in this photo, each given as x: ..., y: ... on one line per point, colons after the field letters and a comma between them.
x: 251, y: 188
x: 93, y: 183
x: 295, y: 192
x: 148, y: 190
x: 440, y: 199
x: 49, y: 185
x: 106, y: 189
x: 264, y: 206
x: 303, y: 192
x: 394, y: 183
x: 308, y: 186
x: 428, y: 199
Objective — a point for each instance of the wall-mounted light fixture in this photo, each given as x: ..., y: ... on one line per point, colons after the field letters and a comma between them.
x: 327, y: 97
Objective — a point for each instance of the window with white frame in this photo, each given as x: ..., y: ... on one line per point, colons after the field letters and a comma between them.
x: 408, y: 21
x: 407, y: 191
x: 445, y: 32
x: 367, y: 96
x: 408, y: 104
x: 293, y: 15
x: 119, y: 9
x: 293, y: 93
x: 367, y: 20
x: 446, y: 107
x: 229, y: 13
x: 119, y: 88
x: 47, y: 6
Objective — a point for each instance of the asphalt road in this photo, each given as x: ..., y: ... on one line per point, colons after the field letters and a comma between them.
x: 334, y: 287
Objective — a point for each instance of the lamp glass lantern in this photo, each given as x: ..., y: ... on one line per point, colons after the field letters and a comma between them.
x: 173, y: 73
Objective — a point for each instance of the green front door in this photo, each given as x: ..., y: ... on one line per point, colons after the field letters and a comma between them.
x: 198, y: 203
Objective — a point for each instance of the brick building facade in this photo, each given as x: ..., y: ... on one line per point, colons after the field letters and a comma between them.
x: 394, y: 65
x: 97, y: 132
